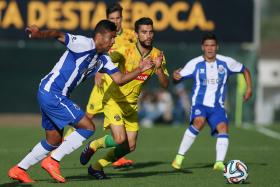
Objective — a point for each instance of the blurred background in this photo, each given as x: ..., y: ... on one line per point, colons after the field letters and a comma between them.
x: 248, y: 30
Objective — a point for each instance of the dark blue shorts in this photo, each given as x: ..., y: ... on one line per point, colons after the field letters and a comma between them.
x: 213, y: 115
x: 58, y: 111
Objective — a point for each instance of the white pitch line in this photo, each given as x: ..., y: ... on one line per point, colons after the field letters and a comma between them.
x: 263, y: 130
x: 269, y: 132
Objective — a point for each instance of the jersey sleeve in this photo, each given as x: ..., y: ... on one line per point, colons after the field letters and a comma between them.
x: 109, y: 66
x: 78, y: 43
x: 234, y: 66
x: 188, y: 69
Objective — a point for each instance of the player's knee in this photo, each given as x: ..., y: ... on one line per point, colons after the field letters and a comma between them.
x: 119, y: 139
x: 86, y: 123
x: 222, y: 128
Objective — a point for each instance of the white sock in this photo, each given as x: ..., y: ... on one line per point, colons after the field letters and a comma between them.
x: 221, y: 148
x: 70, y: 144
x: 36, y: 155
x: 187, y: 140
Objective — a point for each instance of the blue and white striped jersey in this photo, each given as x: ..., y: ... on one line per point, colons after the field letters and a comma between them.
x: 210, y: 79
x: 78, y: 62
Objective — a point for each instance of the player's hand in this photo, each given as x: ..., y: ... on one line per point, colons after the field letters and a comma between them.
x: 176, y: 74
x: 158, y: 60
x: 247, y: 94
x: 98, y: 79
x: 33, y: 31
x: 146, y: 64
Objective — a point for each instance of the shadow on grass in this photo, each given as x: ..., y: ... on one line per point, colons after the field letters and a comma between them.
x: 131, y: 173
x: 15, y: 184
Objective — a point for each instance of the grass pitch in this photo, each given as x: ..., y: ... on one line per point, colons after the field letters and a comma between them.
x: 155, y: 151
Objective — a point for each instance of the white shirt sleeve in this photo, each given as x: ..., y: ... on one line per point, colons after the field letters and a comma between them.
x: 109, y: 66
x: 232, y: 64
x: 78, y: 43
x: 189, y: 68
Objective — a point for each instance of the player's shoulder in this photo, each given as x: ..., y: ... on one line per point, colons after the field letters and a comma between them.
x: 79, y: 43
x: 196, y: 60
x: 225, y: 59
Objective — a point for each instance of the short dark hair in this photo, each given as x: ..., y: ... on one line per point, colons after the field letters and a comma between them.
x: 209, y: 36
x: 105, y: 26
x: 115, y: 7
x: 142, y: 21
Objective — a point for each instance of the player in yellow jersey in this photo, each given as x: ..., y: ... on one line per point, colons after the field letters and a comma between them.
x: 102, y: 81
x: 120, y: 102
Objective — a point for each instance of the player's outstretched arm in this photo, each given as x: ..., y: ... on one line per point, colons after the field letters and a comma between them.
x: 34, y: 32
x: 248, y: 79
x: 122, y: 79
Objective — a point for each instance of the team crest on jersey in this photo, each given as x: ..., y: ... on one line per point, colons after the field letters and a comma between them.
x: 117, y: 117
x: 201, y: 71
x: 221, y: 69
x: 197, y: 112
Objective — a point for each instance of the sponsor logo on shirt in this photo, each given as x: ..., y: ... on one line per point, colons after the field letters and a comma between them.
x: 211, y: 81
x: 142, y: 77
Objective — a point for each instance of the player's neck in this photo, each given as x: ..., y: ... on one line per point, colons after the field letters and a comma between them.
x: 119, y: 32
x: 210, y: 60
x: 143, y: 50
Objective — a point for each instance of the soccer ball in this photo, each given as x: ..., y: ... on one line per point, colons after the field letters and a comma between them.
x: 236, y: 172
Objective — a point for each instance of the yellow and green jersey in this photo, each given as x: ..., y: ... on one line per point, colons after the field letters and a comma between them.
x: 129, y: 58
x: 124, y: 38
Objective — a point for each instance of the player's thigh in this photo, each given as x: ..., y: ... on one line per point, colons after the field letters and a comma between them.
x: 113, y: 115
x: 218, y: 121
x: 60, y: 110
x: 198, y: 116
x: 132, y: 139
x: 131, y: 121
x: 95, y: 105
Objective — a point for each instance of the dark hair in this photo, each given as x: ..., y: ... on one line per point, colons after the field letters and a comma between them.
x: 209, y: 36
x: 113, y: 8
x: 142, y: 21
x: 105, y: 26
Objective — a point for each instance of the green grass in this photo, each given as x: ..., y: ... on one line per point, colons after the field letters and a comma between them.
x: 155, y: 150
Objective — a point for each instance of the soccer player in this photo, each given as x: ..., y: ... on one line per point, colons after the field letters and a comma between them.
x: 82, y: 59
x: 120, y: 102
x: 210, y: 73
x: 102, y: 81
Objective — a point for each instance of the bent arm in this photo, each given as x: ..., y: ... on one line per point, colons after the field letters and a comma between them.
x: 248, y: 79
x: 34, y: 32
x: 121, y: 79
x: 162, y: 77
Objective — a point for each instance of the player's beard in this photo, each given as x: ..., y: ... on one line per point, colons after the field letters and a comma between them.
x: 146, y: 46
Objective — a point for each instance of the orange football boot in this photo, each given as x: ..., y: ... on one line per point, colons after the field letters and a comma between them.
x: 19, y: 174
x: 52, y: 167
x: 122, y: 162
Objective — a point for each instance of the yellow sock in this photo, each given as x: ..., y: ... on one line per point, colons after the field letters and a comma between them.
x: 103, y: 162
x: 99, y: 143
x: 69, y: 131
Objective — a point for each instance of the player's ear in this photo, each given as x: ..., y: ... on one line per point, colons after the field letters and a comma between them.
x: 217, y: 47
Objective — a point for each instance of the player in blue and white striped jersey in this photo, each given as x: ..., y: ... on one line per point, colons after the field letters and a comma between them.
x: 82, y: 59
x: 210, y: 73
